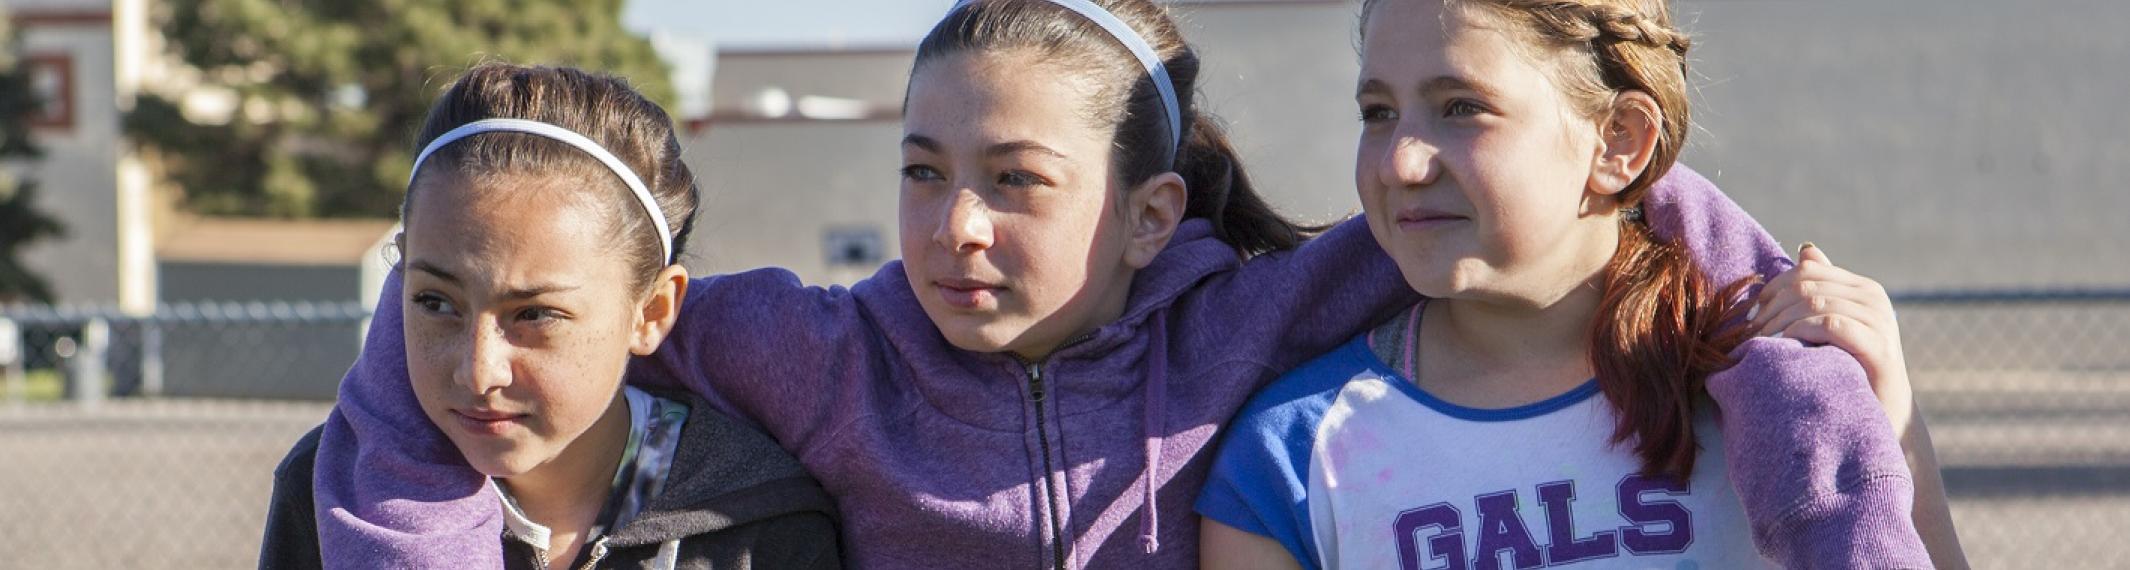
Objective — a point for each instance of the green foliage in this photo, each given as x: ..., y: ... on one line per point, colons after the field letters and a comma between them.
x: 331, y: 91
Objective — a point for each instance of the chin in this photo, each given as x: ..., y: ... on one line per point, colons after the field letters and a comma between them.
x: 502, y: 465
x: 973, y: 337
x: 501, y: 460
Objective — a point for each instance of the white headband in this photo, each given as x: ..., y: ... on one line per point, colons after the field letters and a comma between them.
x: 1138, y: 46
x: 565, y: 136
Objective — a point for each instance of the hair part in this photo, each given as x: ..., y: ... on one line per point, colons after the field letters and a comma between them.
x: 1661, y: 327
x: 603, y: 108
x: 1217, y: 187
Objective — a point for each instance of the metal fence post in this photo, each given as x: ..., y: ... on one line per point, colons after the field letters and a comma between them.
x: 151, y: 358
x: 91, y: 383
x: 11, y: 373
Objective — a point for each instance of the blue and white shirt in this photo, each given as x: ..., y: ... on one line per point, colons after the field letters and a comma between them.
x: 1351, y: 465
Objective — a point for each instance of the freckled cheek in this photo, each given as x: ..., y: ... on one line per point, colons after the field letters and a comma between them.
x: 433, y: 357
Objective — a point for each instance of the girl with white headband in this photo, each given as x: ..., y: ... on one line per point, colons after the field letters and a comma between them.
x: 544, y: 213
x: 1090, y: 288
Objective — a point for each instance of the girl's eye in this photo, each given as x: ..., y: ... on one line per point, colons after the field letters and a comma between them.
x: 1378, y: 114
x: 920, y: 173
x: 1019, y: 179
x: 538, y: 315
x: 1462, y: 108
x: 434, y: 303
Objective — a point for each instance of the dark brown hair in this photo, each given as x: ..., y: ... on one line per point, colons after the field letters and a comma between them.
x: 601, y: 107
x: 1217, y: 187
x: 1661, y: 327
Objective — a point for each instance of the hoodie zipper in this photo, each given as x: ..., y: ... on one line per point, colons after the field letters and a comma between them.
x: 1042, y: 432
x: 598, y: 552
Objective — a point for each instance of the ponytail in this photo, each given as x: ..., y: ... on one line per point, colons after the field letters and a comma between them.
x: 1221, y: 192
x: 1660, y: 330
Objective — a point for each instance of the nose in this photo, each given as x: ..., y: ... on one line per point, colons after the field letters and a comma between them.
x: 485, y: 365
x: 966, y: 227
x: 1409, y: 162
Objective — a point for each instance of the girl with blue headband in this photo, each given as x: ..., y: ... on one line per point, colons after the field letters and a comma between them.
x: 1090, y: 287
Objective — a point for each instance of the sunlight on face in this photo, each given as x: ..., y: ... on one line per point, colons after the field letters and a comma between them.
x: 518, y: 316
x: 1473, y: 166
x: 1011, y: 237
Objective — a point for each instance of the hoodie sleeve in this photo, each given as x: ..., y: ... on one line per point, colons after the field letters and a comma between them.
x: 768, y: 350
x: 1813, y: 458
x: 392, y: 490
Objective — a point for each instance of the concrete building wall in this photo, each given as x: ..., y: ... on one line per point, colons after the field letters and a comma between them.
x: 773, y: 191
x: 1943, y: 144
x: 78, y: 174
x: 1281, y: 76
x: 190, y: 281
x: 1933, y: 145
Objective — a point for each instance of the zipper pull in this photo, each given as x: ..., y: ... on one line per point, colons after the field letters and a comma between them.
x: 598, y: 552
x: 1035, y: 381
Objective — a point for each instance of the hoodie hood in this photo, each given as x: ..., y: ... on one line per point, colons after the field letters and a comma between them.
x: 724, y: 475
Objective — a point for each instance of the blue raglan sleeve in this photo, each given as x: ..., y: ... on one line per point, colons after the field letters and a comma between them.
x: 1260, y: 478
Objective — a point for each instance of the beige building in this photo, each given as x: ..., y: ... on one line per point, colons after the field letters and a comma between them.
x: 80, y: 54
x: 1967, y: 145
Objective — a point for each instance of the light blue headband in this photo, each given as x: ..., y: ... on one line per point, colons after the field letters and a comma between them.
x: 1139, y: 48
x: 568, y: 137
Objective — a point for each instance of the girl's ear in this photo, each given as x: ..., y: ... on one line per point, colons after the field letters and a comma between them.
x: 1627, y: 142
x: 659, y: 310
x: 1153, y: 210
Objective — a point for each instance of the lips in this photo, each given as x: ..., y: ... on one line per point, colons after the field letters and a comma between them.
x: 1427, y: 218
x: 487, y: 422
x: 967, y: 293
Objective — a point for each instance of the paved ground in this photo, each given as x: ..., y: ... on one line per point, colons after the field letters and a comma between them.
x: 2040, y: 475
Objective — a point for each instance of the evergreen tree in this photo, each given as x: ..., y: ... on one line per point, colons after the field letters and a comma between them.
x: 330, y: 92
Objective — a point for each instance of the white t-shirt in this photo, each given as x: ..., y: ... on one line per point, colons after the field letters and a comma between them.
x: 1350, y: 465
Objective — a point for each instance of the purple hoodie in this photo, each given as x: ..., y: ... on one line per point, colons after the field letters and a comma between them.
x: 940, y: 457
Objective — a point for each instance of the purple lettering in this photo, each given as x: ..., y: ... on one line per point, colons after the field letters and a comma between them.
x: 1643, y: 513
x: 1447, y: 545
x: 1559, y: 497
x: 1501, y: 527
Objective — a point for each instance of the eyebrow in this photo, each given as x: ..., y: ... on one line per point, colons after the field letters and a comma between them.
x: 430, y: 268
x: 1449, y: 83
x: 1436, y: 85
x: 520, y: 293
x: 1009, y: 147
x: 1371, y: 87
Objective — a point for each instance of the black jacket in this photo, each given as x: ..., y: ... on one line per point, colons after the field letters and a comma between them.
x: 733, y: 500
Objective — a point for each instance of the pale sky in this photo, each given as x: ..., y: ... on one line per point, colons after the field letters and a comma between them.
x: 739, y: 23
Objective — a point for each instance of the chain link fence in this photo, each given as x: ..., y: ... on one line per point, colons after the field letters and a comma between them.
x: 149, y: 442
x: 2028, y: 397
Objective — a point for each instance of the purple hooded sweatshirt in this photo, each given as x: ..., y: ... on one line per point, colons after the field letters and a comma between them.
x: 1091, y: 458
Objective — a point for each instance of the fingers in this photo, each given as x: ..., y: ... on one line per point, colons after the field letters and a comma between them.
x: 1857, y: 338
x: 1781, y: 318
x: 1811, y: 252
x: 1815, y: 276
x: 1803, y: 293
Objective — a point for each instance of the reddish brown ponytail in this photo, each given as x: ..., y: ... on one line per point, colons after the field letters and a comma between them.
x: 1660, y: 331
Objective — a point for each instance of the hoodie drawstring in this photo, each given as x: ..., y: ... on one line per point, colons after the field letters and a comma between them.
x: 1157, y: 356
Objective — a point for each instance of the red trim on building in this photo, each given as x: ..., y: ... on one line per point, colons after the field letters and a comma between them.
x: 37, y: 18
